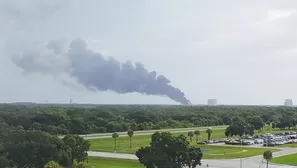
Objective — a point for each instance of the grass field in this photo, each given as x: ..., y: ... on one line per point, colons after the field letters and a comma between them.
x: 100, y: 162
x: 227, y: 152
x: 288, y: 160
x: 107, y: 144
x: 290, y: 145
x: 152, y: 131
x: 210, y: 152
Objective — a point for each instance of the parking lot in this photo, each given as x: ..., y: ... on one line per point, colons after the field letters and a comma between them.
x: 266, y: 140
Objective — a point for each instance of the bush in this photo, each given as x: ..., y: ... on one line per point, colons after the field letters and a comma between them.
x: 82, y: 165
x: 52, y: 164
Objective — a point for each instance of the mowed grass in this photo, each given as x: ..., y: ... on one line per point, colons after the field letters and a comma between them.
x: 153, y: 131
x: 288, y: 160
x: 123, y: 143
x: 99, y: 162
x: 210, y: 151
x: 290, y: 145
x: 227, y: 152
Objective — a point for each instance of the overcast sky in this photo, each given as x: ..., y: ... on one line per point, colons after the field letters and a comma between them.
x: 237, y: 51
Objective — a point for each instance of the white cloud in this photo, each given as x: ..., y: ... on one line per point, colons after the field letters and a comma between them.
x: 240, y: 52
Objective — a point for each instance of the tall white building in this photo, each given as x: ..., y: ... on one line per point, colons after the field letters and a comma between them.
x: 212, y: 102
x: 288, y: 102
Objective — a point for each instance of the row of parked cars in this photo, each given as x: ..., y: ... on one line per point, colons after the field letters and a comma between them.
x: 266, y: 140
x: 280, y: 139
x: 212, y: 141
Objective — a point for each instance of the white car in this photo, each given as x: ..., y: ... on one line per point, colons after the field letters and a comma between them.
x: 259, y: 141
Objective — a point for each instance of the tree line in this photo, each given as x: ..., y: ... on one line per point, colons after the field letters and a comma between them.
x: 70, y: 120
x: 21, y: 148
x: 28, y: 134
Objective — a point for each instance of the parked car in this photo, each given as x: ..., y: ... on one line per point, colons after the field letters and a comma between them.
x: 259, y: 141
x: 271, y: 144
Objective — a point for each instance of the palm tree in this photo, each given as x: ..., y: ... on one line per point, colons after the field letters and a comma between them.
x: 190, y: 135
x: 130, y: 133
x: 209, y: 132
x: 197, y: 133
x: 267, y: 155
x: 115, y: 136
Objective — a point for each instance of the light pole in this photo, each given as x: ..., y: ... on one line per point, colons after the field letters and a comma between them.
x: 242, y: 144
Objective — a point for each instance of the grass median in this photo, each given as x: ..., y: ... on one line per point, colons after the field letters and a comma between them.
x: 288, y: 160
x: 227, y: 152
x: 294, y: 145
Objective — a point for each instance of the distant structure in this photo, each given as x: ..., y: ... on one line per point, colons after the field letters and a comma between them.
x: 189, y: 103
x: 288, y: 102
x: 212, y: 102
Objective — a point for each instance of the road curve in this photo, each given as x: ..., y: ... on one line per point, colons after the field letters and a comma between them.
x: 250, y: 162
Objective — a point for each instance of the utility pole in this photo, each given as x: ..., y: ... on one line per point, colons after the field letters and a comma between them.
x: 242, y: 144
x: 240, y: 162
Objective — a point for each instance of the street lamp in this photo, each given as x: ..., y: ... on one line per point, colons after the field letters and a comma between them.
x: 242, y: 144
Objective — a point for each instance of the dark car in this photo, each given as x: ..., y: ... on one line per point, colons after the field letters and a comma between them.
x: 271, y: 144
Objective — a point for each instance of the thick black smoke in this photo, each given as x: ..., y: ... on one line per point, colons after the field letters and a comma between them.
x: 93, y: 71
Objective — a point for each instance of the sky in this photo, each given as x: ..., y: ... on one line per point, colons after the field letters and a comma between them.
x: 236, y: 51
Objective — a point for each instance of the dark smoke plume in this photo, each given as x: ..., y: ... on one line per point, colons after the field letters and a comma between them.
x: 95, y: 72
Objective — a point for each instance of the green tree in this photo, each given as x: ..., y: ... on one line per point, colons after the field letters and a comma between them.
x: 235, y: 129
x: 229, y: 132
x: 115, y: 136
x: 34, y: 148
x: 267, y: 155
x: 255, y: 121
x: 209, y: 132
x: 52, y: 164
x: 191, y: 135
x: 168, y: 151
x: 197, y: 133
x: 130, y: 133
x: 273, y: 125
x: 79, y: 147
x: 4, y: 162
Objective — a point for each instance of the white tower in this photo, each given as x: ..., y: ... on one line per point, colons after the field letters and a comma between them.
x: 288, y: 102
x: 212, y: 102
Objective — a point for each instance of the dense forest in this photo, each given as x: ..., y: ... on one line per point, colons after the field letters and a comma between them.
x: 27, y: 132
x: 117, y: 118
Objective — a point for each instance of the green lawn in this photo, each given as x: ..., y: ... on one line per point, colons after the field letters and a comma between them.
x: 210, y: 151
x: 100, y: 162
x: 288, y: 160
x: 227, y: 152
x: 290, y: 145
x: 153, y: 131
x: 107, y: 144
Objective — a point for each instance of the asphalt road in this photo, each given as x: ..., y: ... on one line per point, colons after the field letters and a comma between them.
x: 250, y: 162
